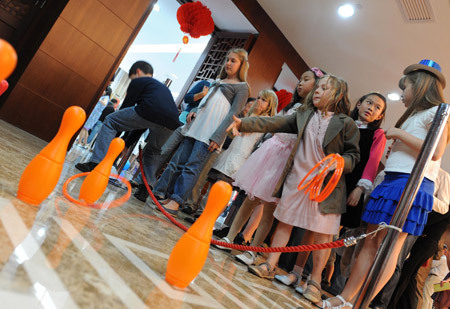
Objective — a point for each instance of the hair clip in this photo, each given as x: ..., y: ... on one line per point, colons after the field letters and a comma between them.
x: 317, y: 72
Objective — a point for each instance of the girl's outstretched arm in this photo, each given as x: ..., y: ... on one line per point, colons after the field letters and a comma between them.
x: 235, y: 126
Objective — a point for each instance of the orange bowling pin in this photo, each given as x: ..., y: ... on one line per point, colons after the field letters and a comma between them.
x: 42, y: 173
x: 96, y: 182
x: 190, y: 252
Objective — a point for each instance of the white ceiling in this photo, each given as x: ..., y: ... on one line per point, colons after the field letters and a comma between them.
x: 369, y: 50
x: 228, y: 17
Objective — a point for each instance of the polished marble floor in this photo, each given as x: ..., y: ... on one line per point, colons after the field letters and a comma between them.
x: 60, y: 255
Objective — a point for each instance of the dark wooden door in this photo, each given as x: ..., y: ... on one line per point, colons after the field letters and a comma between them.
x: 15, y: 16
x: 25, y: 24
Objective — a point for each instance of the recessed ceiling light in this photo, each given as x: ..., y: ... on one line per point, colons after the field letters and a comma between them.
x: 346, y: 10
x: 156, y: 8
x: 393, y: 96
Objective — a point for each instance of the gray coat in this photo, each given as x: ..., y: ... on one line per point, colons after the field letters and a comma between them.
x: 342, y: 137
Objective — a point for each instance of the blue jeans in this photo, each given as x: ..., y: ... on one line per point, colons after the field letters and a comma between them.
x: 153, y: 167
x: 181, y: 175
x: 128, y: 120
x: 94, y: 131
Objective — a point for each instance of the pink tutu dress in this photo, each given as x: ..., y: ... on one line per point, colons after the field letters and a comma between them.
x: 259, y: 175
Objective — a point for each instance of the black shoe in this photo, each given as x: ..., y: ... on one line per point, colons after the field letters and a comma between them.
x: 134, y: 184
x: 86, y: 167
x: 189, y: 219
x: 141, y: 193
x: 222, y: 232
x: 188, y: 210
x: 239, y: 240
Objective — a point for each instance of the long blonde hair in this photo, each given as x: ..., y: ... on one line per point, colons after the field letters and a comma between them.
x: 271, y: 98
x: 243, y: 70
x: 337, y: 100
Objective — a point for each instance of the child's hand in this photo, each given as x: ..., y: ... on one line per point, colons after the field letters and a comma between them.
x: 235, y: 126
x: 213, y: 146
x: 354, y: 197
x: 393, y: 133
x: 205, y: 90
x: 190, y: 117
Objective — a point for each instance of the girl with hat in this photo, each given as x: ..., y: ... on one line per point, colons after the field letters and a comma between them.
x: 422, y: 86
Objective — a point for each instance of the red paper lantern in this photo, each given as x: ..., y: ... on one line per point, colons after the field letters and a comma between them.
x: 185, y: 39
x: 3, y: 86
x: 195, y: 19
x: 284, y: 98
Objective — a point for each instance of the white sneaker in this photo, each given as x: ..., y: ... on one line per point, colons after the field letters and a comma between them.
x: 248, y: 258
x: 224, y: 239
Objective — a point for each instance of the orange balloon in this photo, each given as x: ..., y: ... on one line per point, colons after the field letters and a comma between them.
x: 8, y: 59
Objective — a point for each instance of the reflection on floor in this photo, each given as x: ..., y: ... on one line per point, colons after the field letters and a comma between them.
x: 60, y: 255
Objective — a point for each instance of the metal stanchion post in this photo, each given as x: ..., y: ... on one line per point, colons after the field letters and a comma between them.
x: 404, y: 205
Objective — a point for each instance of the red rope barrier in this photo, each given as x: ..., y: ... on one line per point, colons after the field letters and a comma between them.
x: 301, y: 248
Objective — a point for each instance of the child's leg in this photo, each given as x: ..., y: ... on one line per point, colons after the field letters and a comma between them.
x: 320, y: 257
x: 265, y: 224
x: 253, y: 222
x: 242, y: 216
x: 364, y: 263
x: 329, y: 267
x: 295, y: 275
x: 391, y: 263
x: 280, y: 239
x: 302, y: 257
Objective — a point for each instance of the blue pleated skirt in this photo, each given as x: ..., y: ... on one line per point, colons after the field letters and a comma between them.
x: 384, y: 199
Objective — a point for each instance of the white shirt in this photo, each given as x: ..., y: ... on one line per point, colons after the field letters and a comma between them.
x: 439, y: 267
x: 402, y: 157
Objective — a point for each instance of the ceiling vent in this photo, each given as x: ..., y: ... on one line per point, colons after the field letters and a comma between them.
x: 416, y: 10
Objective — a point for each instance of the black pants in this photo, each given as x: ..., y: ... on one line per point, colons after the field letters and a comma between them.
x: 404, y: 295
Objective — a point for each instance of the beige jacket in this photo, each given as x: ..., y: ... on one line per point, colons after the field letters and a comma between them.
x: 342, y: 137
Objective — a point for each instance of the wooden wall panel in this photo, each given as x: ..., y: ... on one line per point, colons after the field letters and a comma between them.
x: 128, y: 11
x: 35, y: 111
x: 76, y: 51
x: 111, y: 33
x: 73, y: 89
x: 74, y: 63
x: 270, y: 51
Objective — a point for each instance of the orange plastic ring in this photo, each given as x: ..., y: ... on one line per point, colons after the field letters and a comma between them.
x: 314, y: 185
x: 331, y: 185
x: 113, y: 204
x: 319, y: 164
x: 321, y: 177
